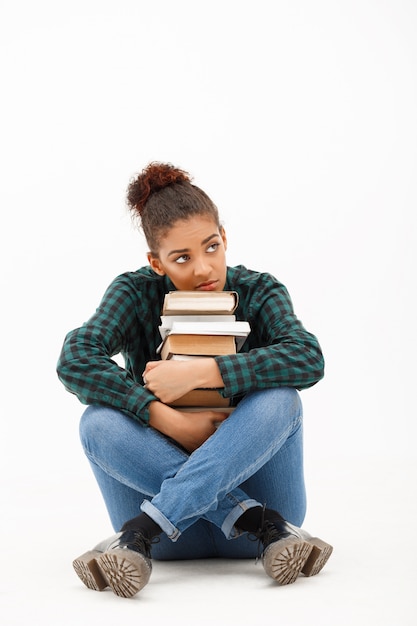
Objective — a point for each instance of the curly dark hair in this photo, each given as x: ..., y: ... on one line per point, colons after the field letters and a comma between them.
x: 162, y: 195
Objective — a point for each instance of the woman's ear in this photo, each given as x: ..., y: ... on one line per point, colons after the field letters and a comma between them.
x: 156, y: 264
x: 223, y: 236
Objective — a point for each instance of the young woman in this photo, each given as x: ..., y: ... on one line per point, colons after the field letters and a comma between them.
x: 192, y: 485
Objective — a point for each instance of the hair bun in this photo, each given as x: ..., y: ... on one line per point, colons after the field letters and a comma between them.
x: 152, y: 179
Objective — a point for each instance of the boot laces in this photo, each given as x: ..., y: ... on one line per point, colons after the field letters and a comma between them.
x: 135, y: 540
x: 267, y: 533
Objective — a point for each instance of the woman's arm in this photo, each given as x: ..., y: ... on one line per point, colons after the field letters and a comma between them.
x: 189, y: 429
x: 85, y: 365
x: 169, y: 380
x: 279, y: 351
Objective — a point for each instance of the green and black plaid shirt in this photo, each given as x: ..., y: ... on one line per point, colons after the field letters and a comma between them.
x: 278, y: 352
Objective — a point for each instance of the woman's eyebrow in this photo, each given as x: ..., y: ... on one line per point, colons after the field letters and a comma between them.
x: 185, y: 250
x: 207, y: 239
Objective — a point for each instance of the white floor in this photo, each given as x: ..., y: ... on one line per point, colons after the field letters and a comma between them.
x: 366, y: 509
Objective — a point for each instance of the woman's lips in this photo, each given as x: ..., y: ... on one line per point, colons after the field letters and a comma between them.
x: 209, y: 286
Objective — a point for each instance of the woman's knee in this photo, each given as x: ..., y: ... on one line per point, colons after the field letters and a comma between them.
x: 98, y: 426
x: 282, y: 400
x: 89, y: 422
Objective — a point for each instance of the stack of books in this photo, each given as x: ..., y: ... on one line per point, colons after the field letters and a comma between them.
x: 200, y: 325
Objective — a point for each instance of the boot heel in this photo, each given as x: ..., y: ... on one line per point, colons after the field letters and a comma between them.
x: 87, y: 570
x: 318, y: 557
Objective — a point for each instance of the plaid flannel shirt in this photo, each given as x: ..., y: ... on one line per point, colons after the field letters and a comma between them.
x: 279, y: 351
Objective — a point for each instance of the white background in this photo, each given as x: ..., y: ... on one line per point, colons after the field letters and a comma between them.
x: 299, y: 119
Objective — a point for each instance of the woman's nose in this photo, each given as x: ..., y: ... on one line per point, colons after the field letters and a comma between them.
x: 201, y: 267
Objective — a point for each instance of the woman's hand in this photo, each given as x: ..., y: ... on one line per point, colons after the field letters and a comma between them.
x: 189, y: 429
x: 197, y: 427
x: 169, y: 380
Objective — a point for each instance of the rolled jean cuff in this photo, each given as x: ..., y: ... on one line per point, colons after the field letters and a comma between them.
x: 154, y: 513
x: 228, y: 527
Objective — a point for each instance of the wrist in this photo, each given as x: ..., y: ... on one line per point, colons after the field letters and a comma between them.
x: 204, y: 373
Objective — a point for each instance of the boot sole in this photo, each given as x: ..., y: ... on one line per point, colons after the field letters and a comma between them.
x: 126, y: 572
x: 283, y: 560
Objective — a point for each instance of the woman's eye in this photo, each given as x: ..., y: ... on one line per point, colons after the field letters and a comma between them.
x: 182, y: 259
x: 213, y: 247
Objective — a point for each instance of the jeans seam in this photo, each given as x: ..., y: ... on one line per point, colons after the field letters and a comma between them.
x: 284, y: 437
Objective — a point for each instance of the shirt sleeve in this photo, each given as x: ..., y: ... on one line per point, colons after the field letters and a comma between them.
x: 85, y: 366
x: 280, y: 351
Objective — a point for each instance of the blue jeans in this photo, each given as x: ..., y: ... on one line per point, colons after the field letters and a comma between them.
x: 254, y: 458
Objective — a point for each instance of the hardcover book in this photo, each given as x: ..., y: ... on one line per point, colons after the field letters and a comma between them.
x: 200, y: 302
x: 202, y: 398
x: 237, y: 329
x: 197, y: 345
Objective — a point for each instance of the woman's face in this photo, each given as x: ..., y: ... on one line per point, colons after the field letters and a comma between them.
x: 192, y: 255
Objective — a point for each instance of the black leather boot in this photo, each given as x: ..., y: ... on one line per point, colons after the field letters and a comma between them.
x: 122, y: 562
x: 289, y: 551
